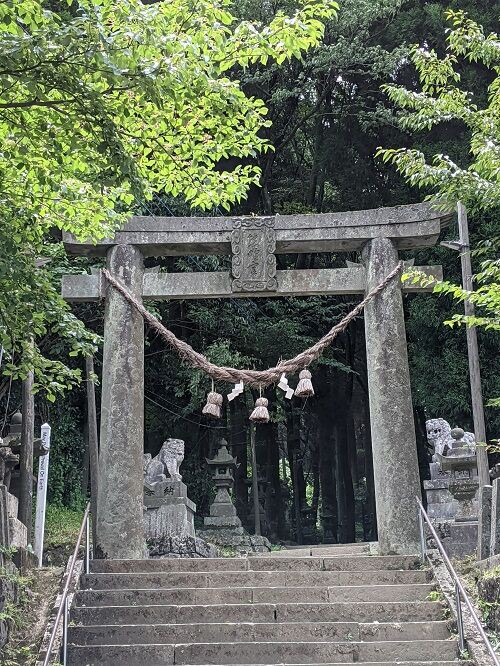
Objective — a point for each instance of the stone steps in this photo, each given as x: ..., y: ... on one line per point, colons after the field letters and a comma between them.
x: 329, y: 608
x: 263, y: 653
x: 233, y: 579
x: 353, y: 562
x: 216, y: 632
x: 248, y: 595
x: 364, y: 611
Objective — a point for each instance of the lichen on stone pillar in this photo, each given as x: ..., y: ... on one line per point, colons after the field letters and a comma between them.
x: 120, y: 532
x: 395, y: 462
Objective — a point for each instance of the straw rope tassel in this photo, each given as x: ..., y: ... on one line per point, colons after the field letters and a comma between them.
x: 304, y: 387
x: 260, y: 413
x: 214, y: 404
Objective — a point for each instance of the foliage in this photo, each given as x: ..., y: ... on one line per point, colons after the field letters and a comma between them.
x: 441, y: 100
x: 66, y: 458
x: 478, y: 184
x: 103, y: 104
x: 61, y: 526
x: 486, y: 296
x: 15, y: 614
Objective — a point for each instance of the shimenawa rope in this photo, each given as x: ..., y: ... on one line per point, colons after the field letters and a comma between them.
x: 255, y: 378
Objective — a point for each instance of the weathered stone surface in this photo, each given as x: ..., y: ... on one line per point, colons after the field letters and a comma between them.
x: 18, y: 534
x: 413, y: 225
x: 440, y: 438
x: 489, y: 591
x: 120, y: 531
x: 177, y: 546
x: 395, y: 463
x: 171, y: 455
x: 253, y: 244
x: 306, y: 282
x: 9, y: 593
x: 495, y: 519
x: 173, y: 519
x: 4, y: 518
x: 484, y: 529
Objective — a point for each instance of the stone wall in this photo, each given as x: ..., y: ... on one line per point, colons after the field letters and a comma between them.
x: 489, y: 593
x: 9, y: 594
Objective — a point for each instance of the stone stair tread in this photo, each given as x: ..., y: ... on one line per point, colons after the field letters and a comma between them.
x: 230, y: 632
x: 267, y: 652
x: 331, y: 593
x: 346, y: 562
x: 454, y: 662
x: 237, y: 579
x: 390, y: 611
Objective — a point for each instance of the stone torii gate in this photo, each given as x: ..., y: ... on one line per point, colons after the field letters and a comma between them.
x: 253, y: 243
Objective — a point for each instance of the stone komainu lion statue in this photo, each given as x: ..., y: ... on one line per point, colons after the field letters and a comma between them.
x: 439, y: 436
x: 171, y: 455
x: 169, y: 458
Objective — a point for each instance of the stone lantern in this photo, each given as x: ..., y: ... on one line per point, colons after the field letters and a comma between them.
x: 223, y: 527
x: 222, y: 509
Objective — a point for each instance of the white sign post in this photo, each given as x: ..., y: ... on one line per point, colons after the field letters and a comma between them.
x: 41, y: 493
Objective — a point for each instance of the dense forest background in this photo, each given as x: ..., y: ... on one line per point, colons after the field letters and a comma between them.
x: 314, y: 459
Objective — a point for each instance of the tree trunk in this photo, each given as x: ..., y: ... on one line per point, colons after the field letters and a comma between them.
x: 26, y: 456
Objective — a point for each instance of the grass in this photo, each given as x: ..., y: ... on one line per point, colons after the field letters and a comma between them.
x: 61, y: 526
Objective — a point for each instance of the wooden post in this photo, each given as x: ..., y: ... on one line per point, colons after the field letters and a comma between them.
x: 473, y: 353
x: 255, y: 482
x: 26, y: 456
x: 93, y: 445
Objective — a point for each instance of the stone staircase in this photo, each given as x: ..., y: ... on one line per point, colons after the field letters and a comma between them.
x: 335, y: 605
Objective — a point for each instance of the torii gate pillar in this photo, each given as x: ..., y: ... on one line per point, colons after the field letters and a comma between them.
x: 120, y: 528
x: 395, y: 463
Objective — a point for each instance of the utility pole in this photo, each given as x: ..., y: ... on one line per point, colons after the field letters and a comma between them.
x: 463, y: 246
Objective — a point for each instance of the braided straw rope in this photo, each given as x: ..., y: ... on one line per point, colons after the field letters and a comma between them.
x: 255, y: 378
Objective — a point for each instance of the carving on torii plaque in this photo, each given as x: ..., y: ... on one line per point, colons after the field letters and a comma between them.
x: 253, y: 243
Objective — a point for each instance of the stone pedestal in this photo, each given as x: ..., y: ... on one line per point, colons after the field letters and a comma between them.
x: 169, y: 516
x: 395, y: 464
x: 13, y: 532
x: 484, y: 534
x: 459, y: 538
x: 452, y: 494
x: 119, y: 526
x: 441, y: 505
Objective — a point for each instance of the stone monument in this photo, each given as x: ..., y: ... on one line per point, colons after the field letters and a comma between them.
x: 13, y: 533
x: 452, y: 492
x: 223, y: 527
x: 442, y: 505
x: 168, y: 512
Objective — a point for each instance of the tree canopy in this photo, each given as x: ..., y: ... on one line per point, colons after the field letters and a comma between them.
x: 476, y: 184
x: 103, y: 104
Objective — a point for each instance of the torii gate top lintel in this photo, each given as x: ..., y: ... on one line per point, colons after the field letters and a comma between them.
x: 409, y: 227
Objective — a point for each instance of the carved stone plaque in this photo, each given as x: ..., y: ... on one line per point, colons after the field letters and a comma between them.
x: 253, y: 242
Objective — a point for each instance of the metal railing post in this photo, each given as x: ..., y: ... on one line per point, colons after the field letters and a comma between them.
x: 423, y: 546
x: 460, y: 591
x: 460, y: 621
x: 63, y: 610
x: 65, y: 632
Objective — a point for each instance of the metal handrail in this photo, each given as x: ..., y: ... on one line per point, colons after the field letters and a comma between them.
x: 63, y: 605
x: 460, y: 592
